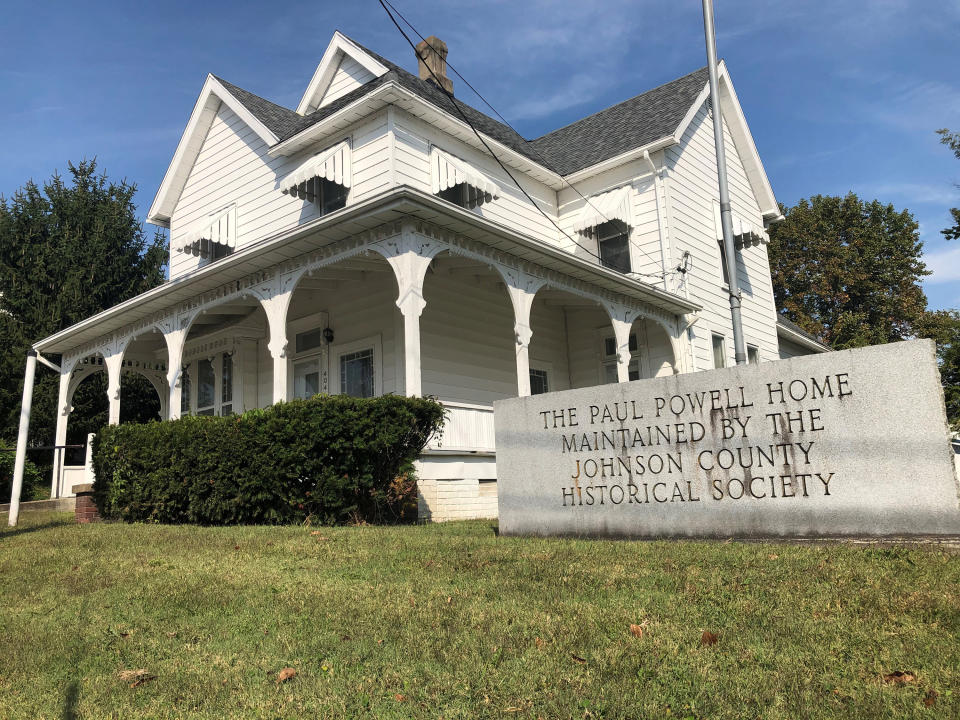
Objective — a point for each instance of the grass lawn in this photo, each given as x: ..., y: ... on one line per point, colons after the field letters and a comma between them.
x: 451, y: 621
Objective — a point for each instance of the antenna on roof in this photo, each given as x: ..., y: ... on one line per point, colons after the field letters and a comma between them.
x: 740, y: 349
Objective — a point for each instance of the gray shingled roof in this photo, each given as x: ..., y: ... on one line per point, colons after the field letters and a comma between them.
x: 601, y: 136
x: 790, y: 325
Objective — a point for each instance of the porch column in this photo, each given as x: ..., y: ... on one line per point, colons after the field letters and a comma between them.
x: 21, y: 456
x: 275, y: 305
x: 175, y: 337
x: 622, y: 318
x: 60, y: 435
x: 523, y: 289
x: 410, y: 257
x: 114, y: 363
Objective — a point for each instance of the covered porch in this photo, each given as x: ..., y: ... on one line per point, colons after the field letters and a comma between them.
x: 386, y: 301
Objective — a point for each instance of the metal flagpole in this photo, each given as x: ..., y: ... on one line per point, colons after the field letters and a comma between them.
x: 739, y: 345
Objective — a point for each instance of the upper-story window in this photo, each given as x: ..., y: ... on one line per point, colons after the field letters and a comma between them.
x: 214, y: 238
x: 455, y: 181
x: 323, y: 179
x: 606, y: 219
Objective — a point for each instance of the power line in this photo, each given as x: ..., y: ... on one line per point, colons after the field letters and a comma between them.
x: 467, y: 120
x: 527, y: 143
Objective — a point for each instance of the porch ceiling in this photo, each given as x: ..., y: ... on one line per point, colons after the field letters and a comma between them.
x: 390, y: 206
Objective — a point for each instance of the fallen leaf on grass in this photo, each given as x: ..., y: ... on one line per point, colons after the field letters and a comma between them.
x: 319, y: 535
x: 449, y: 600
x: 637, y: 630
x: 171, y: 634
x: 930, y: 698
x: 287, y: 673
x: 136, y: 677
x: 236, y: 547
x: 709, y: 638
x: 899, y: 677
x: 577, y: 658
x: 539, y: 642
x: 399, y: 698
x: 773, y: 557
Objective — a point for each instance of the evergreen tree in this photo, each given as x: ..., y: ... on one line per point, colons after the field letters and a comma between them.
x: 69, y: 251
x: 952, y: 141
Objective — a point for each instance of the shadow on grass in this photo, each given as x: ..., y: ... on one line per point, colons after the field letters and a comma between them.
x: 6, y: 532
x: 70, y: 698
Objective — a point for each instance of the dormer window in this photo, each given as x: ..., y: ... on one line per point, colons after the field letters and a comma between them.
x: 605, y: 219
x: 323, y: 179
x: 455, y: 181
x: 215, y: 238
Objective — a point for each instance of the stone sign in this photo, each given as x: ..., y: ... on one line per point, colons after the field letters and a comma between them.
x: 852, y: 442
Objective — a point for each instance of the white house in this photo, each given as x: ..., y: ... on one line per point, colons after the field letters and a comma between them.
x: 367, y: 242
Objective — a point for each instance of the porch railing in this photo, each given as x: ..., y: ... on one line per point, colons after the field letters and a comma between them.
x: 469, y: 428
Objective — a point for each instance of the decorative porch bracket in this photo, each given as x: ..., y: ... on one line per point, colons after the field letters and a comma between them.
x: 409, y: 255
x: 275, y: 297
x: 523, y: 288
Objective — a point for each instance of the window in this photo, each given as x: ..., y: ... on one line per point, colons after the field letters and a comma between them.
x: 226, y: 385
x: 310, y: 340
x: 306, y: 377
x: 206, y: 388
x: 215, y: 240
x: 538, y: 382
x: 330, y: 195
x: 610, y: 359
x: 719, y: 352
x: 753, y: 355
x: 185, y: 388
x: 725, y: 273
x: 356, y: 373
x: 613, y: 244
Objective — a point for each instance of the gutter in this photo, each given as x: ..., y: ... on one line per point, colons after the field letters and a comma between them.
x: 800, y: 339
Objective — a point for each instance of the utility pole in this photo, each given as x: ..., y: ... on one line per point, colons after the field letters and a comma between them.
x: 726, y: 220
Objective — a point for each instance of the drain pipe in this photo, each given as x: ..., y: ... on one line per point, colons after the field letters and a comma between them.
x: 739, y: 345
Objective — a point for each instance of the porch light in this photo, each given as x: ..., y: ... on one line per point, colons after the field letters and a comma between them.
x: 328, y: 335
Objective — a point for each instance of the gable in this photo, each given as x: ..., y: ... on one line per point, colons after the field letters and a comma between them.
x: 345, y: 67
x: 213, y: 95
x: 736, y: 124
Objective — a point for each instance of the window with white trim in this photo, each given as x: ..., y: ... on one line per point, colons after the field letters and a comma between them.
x: 539, y: 381
x: 753, y: 355
x: 610, y: 359
x: 613, y: 244
x: 214, y: 239
x: 357, y: 368
x: 207, y: 386
x: 719, y: 351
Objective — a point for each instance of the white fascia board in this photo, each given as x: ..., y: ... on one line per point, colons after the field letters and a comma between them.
x: 742, y: 136
x: 737, y: 124
x: 395, y: 94
x: 340, y: 45
x: 212, y: 95
x: 793, y: 336
x: 622, y: 159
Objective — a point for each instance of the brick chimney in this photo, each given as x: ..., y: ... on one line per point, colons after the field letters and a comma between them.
x: 432, y: 55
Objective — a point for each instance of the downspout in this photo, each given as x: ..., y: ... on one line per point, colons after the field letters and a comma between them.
x: 665, y: 252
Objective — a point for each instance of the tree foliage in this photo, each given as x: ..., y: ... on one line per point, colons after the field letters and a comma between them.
x: 943, y: 326
x: 68, y: 250
x: 848, y: 271
x: 952, y: 141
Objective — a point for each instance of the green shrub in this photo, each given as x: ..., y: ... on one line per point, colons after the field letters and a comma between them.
x: 34, y: 486
x: 333, y: 459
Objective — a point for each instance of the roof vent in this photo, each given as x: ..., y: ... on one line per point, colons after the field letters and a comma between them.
x: 432, y: 55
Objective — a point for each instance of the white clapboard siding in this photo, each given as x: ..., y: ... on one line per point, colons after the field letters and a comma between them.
x: 233, y: 167
x: 645, y: 256
x: 511, y: 209
x: 692, y: 188
x: 468, y: 427
x: 349, y: 76
x: 467, y: 345
x: 548, y: 345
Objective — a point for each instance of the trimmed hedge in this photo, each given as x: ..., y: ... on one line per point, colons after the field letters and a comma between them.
x: 332, y: 459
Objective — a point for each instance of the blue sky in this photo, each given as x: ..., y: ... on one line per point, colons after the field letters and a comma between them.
x: 840, y: 95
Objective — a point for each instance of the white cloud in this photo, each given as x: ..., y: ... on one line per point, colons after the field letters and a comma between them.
x: 944, y: 264
x: 908, y: 193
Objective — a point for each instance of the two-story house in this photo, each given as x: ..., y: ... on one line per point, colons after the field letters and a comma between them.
x: 368, y: 242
